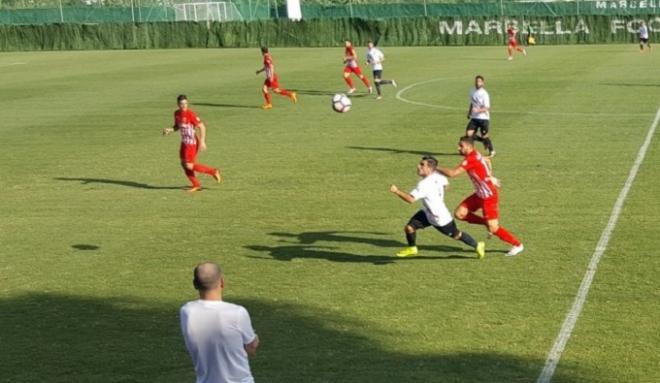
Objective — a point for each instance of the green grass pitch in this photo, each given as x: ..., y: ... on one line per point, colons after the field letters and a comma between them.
x: 98, y: 241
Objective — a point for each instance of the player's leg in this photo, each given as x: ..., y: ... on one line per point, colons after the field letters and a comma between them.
x: 349, y: 80
x: 471, y: 129
x: 417, y: 222
x: 187, y: 155
x: 488, y: 144
x: 465, y: 211
x: 452, y: 231
x: 361, y: 76
x: 267, y: 97
x: 509, y: 51
x: 491, y: 213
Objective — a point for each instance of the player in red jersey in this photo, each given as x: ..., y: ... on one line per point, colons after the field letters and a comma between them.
x: 513, y: 42
x: 486, y: 196
x: 186, y: 121
x: 352, y: 66
x: 272, y: 81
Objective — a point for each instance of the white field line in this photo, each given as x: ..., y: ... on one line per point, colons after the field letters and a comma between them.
x: 11, y: 64
x: 400, y: 97
x: 572, y: 316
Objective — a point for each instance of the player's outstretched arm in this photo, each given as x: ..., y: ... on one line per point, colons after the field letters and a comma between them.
x: 202, y: 136
x: 457, y: 171
x: 401, y: 194
x: 260, y: 70
x: 168, y: 131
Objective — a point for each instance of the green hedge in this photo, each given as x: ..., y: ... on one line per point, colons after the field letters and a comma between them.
x: 315, y: 33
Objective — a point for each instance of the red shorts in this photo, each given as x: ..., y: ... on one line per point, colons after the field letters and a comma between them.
x: 356, y: 70
x: 489, y: 206
x: 274, y: 83
x: 188, y: 153
x: 513, y: 43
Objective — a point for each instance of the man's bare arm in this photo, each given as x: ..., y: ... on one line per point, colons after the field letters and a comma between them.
x: 251, y: 348
x: 457, y: 171
x: 202, y: 136
x: 406, y: 197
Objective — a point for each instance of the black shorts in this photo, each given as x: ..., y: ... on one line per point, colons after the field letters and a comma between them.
x: 378, y: 73
x: 643, y: 41
x: 478, y: 125
x: 419, y: 221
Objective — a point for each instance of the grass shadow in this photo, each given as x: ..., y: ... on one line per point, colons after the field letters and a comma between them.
x: 401, y: 151
x: 132, y: 184
x: 221, y: 105
x: 629, y: 84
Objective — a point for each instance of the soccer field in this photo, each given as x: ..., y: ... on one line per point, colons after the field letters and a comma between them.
x: 98, y: 237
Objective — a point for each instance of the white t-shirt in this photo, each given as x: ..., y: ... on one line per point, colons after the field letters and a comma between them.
x: 431, y: 190
x: 375, y: 57
x: 216, y: 333
x: 479, y: 98
x: 643, y: 32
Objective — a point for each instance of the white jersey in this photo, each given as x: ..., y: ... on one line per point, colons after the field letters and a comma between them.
x: 643, y: 32
x: 375, y: 57
x: 480, y: 98
x: 216, y: 333
x: 431, y: 190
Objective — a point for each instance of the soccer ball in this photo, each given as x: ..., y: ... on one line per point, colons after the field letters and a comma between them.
x: 341, y: 103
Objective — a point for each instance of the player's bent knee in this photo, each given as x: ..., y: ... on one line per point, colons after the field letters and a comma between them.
x: 457, y: 235
x: 460, y: 213
x: 493, y: 226
x: 409, y: 229
x: 188, y: 165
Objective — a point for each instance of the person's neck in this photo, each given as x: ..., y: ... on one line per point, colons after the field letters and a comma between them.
x: 211, y: 295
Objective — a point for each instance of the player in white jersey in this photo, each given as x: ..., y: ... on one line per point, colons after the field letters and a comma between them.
x: 479, y: 115
x: 431, y: 191
x: 644, y: 37
x: 375, y: 58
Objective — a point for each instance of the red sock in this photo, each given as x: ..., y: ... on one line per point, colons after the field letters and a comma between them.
x: 474, y: 219
x: 191, y: 176
x: 204, y: 169
x: 365, y: 81
x: 285, y: 93
x: 519, y: 49
x: 505, y: 236
x: 349, y: 81
x: 267, y: 97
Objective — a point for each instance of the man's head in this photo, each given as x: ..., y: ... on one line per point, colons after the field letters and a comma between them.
x: 348, y: 44
x: 465, y: 145
x: 370, y: 44
x: 264, y: 50
x: 208, y: 278
x: 479, y: 81
x: 182, y: 101
x: 426, y: 166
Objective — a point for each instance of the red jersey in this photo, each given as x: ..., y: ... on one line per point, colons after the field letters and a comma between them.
x: 186, y: 121
x: 350, y: 57
x: 479, y: 172
x: 511, y: 33
x: 269, y: 66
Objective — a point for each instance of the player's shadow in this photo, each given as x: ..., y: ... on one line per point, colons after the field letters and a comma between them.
x: 132, y: 184
x: 311, y: 92
x: 629, y: 84
x: 222, y: 105
x: 401, y: 151
x: 119, y: 339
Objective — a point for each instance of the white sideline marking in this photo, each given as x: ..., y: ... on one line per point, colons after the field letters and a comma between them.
x: 11, y: 64
x: 399, y: 96
x: 572, y: 316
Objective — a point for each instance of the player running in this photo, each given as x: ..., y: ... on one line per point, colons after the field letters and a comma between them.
x: 375, y: 58
x: 513, y: 42
x: 186, y: 121
x: 352, y: 66
x: 644, y: 37
x: 486, y: 195
x: 431, y: 190
x: 272, y: 81
x: 479, y: 115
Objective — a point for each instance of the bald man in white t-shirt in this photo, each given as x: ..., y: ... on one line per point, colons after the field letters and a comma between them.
x: 431, y: 191
x: 218, y: 335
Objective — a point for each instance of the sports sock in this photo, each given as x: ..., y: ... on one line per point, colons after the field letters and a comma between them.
x: 488, y: 144
x: 385, y: 82
x: 285, y: 93
x: 378, y: 87
x: 468, y: 240
x: 268, y: 98
x: 411, y: 238
x: 191, y: 176
x: 505, y: 236
x: 349, y: 81
x: 474, y: 219
x: 519, y: 49
x: 365, y: 81
x: 204, y: 169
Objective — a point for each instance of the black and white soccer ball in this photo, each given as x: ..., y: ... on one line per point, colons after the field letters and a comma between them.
x: 341, y: 103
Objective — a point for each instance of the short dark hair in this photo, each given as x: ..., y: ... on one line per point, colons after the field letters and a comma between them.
x: 468, y: 140
x: 432, y: 161
x: 181, y: 97
x: 206, y: 276
x: 479, y: 77
x: 264, y: 49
